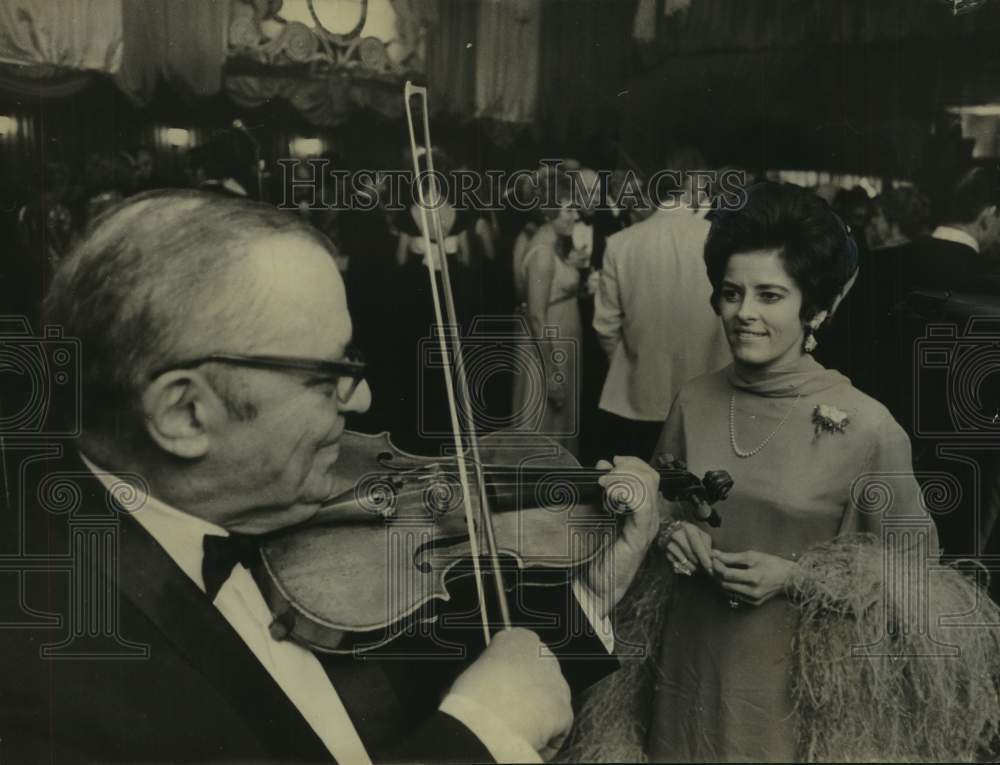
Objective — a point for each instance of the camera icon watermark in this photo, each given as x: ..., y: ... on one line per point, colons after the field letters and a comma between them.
x: 500, y: 352
x: 37, y: 371
x: 956, y: 418
x: 957, y: 381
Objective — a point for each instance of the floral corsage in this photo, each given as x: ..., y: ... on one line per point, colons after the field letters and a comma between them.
x: 830, y: 419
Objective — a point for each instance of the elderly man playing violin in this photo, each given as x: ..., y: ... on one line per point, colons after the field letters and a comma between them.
x: 215, y: 380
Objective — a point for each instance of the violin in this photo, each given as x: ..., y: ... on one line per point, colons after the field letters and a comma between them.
x: 400, y: 536
x: 381, y: 553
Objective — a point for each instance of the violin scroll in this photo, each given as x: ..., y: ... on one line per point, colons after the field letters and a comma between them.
x: 677, y: 484
x: 718, y: 484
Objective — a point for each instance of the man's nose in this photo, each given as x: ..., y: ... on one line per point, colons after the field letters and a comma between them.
x: 360, y: 399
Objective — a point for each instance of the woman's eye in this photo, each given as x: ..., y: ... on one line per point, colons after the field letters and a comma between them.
x: 730, y: 296
x: 770, y: 297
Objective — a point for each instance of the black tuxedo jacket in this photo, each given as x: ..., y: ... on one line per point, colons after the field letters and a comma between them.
x: 869, y: 336
x: 110, y: 653
x: 937, y: 264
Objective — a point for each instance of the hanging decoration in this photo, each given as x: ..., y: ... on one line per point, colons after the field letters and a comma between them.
x: 260, y: 34
x: 288, y: 50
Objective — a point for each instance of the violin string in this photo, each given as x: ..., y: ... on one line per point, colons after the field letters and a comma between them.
x: 507, y: 475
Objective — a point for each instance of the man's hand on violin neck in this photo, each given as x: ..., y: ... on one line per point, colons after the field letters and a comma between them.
x: 633, y: 483
x: 517, y: 679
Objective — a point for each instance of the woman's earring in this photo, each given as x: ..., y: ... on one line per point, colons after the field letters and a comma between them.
x: 810, y: 344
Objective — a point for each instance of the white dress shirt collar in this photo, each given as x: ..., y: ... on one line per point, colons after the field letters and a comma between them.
x: 178, y: 533
x: 296, y: 670
x: 950, y: 234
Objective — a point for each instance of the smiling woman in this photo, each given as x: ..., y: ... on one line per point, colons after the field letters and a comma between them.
x: 760, y: 306
x: 778, y: 268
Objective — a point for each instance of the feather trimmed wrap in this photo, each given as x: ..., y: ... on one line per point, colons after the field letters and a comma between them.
x: 613, y: 715
x: 901, y: 667
x: 894, y: 660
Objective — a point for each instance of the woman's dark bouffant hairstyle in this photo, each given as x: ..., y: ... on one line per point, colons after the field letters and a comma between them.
x: 815, y: 246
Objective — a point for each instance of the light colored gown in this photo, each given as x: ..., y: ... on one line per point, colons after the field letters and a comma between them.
x: 723, y: 691
x: 556, y: 354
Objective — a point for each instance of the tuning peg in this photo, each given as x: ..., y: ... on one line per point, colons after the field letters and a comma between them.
x: 667, y: 460
x: 718, y: 484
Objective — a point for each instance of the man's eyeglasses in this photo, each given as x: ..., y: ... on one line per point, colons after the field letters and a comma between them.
x: 351, y: 366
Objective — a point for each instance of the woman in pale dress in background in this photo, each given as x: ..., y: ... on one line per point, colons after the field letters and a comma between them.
x: 547, y: 283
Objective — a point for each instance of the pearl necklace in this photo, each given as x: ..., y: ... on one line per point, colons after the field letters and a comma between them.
x: 732, y: 428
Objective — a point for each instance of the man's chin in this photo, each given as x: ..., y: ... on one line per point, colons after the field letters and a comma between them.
x: 278, y: 519
x: 302, y: 513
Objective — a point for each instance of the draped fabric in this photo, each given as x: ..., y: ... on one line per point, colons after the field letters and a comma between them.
x: 413, y: 17
x: 184, y: 43
x: 846, y: 86
x: 138, y: 42
x: 329, y: 97
x: 716, y: 102
x: 727, y: 25
x: 507, y: 60
x: 73, y: 34
x: 180, y: 41
x: 42, y: 81
x: 644, y: 26
x: 584, y: 65
x: 323, y: 102
x: 451, y: 56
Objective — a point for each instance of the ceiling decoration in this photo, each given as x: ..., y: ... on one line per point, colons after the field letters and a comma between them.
x: 327, y: 58
x: 259, y: 33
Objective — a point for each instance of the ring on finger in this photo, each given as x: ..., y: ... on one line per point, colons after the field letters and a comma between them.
x: 682, y: 567
x: 668, y: 531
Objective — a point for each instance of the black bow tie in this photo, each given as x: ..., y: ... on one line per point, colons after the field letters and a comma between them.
x: 221, y: 555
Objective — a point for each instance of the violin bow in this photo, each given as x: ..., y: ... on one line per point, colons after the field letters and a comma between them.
x: 459, y: 376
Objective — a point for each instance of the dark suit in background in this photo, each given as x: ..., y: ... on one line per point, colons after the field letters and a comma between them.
x: 875, y: 338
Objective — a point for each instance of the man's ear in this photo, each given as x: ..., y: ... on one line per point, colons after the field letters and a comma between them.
x: 843, y: 293
x: 177, y: 407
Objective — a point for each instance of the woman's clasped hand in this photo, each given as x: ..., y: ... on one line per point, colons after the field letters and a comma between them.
x: 749, y: 577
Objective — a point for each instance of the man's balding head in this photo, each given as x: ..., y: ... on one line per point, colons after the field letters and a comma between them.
x: 161, y: 277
